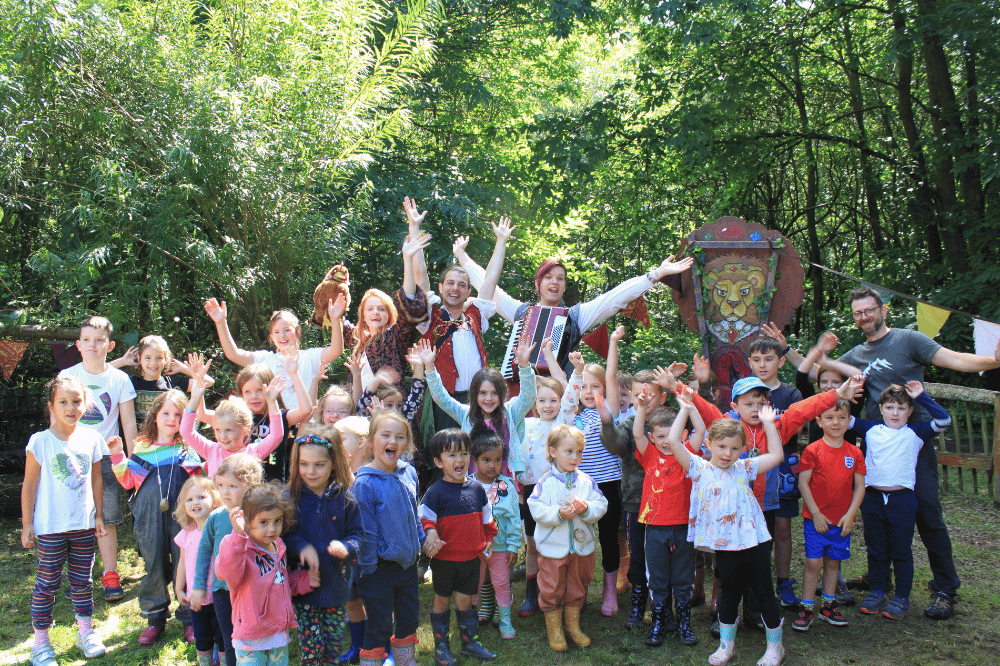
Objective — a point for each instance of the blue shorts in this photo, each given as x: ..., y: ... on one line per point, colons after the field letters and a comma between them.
x: 831, y: 544
x: 788, y: 508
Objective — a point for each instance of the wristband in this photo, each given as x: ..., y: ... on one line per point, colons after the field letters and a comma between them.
x: 787, y: 349
x: 650, y: 277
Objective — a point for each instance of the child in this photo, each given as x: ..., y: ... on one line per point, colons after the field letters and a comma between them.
x: 606, y: 471
x: 377, y: 338
x: 251, y: 385
x: 197, y: 500
x: 353, y: 432
x: 61, y: 513
x: 830, y: 469
x: 890, y: 505
x: 554, y: 406
x: 486, y: 402
x: 112, y: 398
x: 154, y: 359
x: 487, y: 450
x: 782, y: 491
x: 666, y: 500
x: 386, y: 490
x: 565, y: 503
x: 326, y: 539
x: 159, y: 465
x: 458, y: 520
x: 284, y: 334
x: 334, y: 405
x: 727, y: 519
x: 231, y: 421
x: 235, y: 474
x: 252, y: 562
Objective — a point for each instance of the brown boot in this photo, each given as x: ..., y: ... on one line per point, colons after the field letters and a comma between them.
x: 554, y: 628
x: 573, y: 627
x: 624, y: 562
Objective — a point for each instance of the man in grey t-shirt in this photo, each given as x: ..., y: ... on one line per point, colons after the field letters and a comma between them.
x: 896, y: 356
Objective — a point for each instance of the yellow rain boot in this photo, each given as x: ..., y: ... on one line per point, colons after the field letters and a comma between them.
x: 573, y: 627
x: 554, y: 628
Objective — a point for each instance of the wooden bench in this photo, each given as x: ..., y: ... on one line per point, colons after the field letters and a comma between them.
x: 969, y: 446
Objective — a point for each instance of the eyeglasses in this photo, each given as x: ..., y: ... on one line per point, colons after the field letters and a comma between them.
x: 867, y: 312
x: 342, y: 413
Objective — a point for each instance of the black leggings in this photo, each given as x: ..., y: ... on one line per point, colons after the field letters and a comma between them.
x: 607, y: 527
x: 738, y: 570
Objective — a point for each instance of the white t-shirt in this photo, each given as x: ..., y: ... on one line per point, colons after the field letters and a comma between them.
x: 107, y: 391
x: 65, y: 501
x: 309, y: 360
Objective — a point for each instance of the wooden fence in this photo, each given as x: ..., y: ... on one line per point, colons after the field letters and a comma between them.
x: 967, y: 451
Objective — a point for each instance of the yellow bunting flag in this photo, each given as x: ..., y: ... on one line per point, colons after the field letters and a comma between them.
x: 930, y: 319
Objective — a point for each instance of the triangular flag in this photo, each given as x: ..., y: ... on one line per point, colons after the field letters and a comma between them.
x: 599, y: 341
x: 637, y: 310
x: 987, y: 336
x: 11, y: 352
x: 930, y: 319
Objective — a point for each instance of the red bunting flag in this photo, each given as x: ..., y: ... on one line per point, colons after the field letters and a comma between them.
x: 599, y: 341
x: 11, y: 352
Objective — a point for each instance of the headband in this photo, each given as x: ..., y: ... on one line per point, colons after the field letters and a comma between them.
x: 314, y: 439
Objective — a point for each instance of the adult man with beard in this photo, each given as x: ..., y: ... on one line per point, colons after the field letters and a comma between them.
x: 896, y: 356
x: 451, y: 322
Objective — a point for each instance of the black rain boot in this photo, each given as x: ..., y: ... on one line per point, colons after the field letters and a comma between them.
x: 684, y: 623
x: 658, y: 631
x: 638, y: 610
x: 669, y: 623
x: 442, y: 650
x: 530, y: 604
x: 468, y: 627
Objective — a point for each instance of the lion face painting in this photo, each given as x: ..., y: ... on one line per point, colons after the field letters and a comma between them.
x: 734, y: 282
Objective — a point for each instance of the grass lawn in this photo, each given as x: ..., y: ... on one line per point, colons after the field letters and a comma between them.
x: 972, y: 637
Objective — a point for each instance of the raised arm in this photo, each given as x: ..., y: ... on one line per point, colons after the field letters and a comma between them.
x: 219, y: 313
x: 611, y: 372
x: 412, y: 246
x: 643, y: 403
x: 555, y: 370
x: 681, y: 453
x: 335, y: 311
x: 593, y: 313
x: 502, y: 231
x: 414, y: 219
x: 953, y: 360
x: 775, y: 452
x: 506, y: 305
x: 306, y: 402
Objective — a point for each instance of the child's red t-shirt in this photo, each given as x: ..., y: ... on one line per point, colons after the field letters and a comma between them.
x: 666, y: 489
x: 832, y: 480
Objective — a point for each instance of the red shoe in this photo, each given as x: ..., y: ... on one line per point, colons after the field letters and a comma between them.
x: 188, y: 634
x: 112, y: 586
x: 149, y: 636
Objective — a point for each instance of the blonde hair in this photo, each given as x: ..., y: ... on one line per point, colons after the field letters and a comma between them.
x: 157, y: 343
x: 724, y: 428
x: 242, y: 467
x: 149, y: 432
x: 180, y: 515
x: 236, y: 410
x: 354, y: 424
x: 361, y: 332
x: 549, y: 383
x: 376, y: 421
x: 597, y: 372
x: 561, y: 434
x: 333, y: 392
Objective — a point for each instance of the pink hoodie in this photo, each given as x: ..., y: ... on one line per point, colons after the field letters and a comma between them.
x: 260, y: 586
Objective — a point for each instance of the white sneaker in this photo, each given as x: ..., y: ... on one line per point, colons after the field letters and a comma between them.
x: 43, y: 656
x: 90, y: 645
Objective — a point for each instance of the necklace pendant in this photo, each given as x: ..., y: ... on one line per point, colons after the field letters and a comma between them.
x: 164, y: 505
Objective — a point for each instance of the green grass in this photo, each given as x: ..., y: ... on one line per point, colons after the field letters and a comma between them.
x: 972, y: 637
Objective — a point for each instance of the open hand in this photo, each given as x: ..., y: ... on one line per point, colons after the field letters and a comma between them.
x: 413, y: 216
x: 523, y: 352
x: 827, y: 342
x: 767, y: 414
x: 702, y: 369
x: 665, y: 380
x: 335, y: 309
x: 852, y: 388
x: 914, y: 388
x: 772, y: 331
x: 216, y: 310
x: 412, y: 245
x: 671, y: 267
x: 427, y: 353
x: 458, y: 247
x: 503, y: 229
x: 237, y: 520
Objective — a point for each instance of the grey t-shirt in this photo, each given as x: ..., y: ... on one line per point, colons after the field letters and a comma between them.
x: 895, y: 358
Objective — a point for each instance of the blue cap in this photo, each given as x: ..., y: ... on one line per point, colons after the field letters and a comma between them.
x: 748, y: 384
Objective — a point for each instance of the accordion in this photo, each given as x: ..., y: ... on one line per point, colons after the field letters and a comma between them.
x: 538, y: 323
